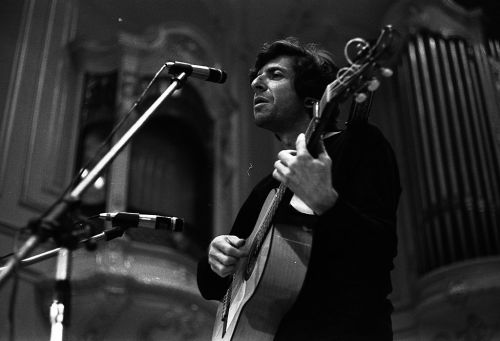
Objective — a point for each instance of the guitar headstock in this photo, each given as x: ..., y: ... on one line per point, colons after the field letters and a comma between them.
x: 368, y: 63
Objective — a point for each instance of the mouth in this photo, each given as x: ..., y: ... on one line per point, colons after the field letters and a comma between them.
x: 260, y: 100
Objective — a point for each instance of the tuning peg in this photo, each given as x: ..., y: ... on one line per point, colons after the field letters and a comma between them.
x: 373, y: 84
x: 386, y: 72
x: 361, y: 97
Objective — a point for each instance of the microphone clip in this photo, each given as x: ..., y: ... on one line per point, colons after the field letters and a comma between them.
x: 205, y: 73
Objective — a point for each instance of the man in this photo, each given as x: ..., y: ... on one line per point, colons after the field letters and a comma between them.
x: 352, y: 187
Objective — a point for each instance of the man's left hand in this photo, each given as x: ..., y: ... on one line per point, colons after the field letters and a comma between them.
x: 308, y: 177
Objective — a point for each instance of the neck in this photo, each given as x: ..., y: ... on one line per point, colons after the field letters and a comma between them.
x: 289, y: 137
x: 288, y: 140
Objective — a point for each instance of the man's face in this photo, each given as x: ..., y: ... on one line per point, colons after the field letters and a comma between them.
x: 276, y: 105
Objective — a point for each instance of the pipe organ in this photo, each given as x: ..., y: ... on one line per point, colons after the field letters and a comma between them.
x: 451, y: 103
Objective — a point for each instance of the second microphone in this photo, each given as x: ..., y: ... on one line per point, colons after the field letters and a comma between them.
x: 157, y: 222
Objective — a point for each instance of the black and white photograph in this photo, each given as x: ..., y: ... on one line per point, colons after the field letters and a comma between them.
x: 259, y: 170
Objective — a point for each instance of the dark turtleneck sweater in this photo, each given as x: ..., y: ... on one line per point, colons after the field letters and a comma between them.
x: 344, y: 294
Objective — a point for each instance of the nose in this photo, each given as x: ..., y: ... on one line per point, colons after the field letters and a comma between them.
x: 258, y: 84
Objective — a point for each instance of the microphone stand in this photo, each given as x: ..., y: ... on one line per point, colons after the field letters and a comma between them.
x: 49, y: 225
x: 107, y: 235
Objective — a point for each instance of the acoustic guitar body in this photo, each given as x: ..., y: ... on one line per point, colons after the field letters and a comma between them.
x: 258, y: 303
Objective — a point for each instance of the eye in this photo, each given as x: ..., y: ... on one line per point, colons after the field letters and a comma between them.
x: 276, y: 74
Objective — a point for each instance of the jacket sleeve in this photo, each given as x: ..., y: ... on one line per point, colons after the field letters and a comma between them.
x: 366, y: 177
x: 211, y: 285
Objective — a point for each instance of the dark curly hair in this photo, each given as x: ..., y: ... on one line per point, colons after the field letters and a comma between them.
x: 314, y: 67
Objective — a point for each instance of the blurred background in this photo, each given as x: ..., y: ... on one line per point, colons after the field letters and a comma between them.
x: 70, y: 70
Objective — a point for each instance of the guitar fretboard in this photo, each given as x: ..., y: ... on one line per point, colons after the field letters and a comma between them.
x: 263, y: 229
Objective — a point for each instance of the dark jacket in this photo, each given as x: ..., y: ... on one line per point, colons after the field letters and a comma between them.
x: 344, y: 295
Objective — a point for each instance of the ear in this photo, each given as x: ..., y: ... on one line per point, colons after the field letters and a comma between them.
x: 309, y: 102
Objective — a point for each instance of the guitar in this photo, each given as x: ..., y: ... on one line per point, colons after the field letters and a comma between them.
x: 267, y: 282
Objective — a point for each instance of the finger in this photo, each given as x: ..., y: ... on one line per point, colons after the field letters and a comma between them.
x: 286, y: 156
x: 222, y: 270
x: 300, y: 144
x: 235, y: 241
x: 231, y: 246
x: 224, y: 259
x: 288, y: 151
x: 278, y: 176
x: 282, y: 169
x: 239, y: 246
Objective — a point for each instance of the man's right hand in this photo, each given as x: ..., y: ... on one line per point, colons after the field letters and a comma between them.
x: 224, y: 253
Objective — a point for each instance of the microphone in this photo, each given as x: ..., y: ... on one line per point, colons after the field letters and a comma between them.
x: 197, y: 71
x: 157, y: 222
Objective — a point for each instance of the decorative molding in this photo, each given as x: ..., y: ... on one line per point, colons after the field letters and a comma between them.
x: 460, y: 302
x: 128, y: 289
x: 474, y: 327
x: 459, y: 280
x: 440, y: 16
x: 448, y: 297
x: 176, y: 41
x: 172, y: 41
x: 136, y: 55
x: 177, y: 322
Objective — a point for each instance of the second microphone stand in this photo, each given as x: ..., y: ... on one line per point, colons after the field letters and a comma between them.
x: 50, y: 224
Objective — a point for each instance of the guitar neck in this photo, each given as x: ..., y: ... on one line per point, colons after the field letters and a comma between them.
x: 359, y: 111
x: 322, y: 114
x: 273, y: 207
